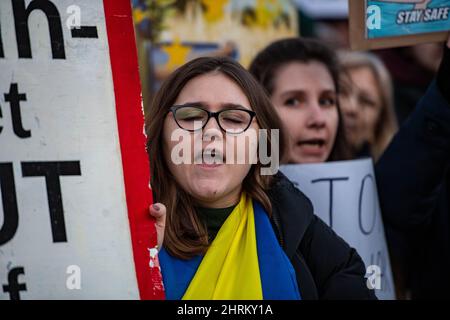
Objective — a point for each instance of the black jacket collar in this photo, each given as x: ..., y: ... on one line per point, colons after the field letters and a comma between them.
x: 292, y: 213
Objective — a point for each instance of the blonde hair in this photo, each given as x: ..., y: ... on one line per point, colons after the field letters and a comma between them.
x: 386, y: 126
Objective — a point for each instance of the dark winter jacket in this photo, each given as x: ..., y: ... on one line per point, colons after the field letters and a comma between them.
x: 413, y: 185
x: 325, y: 265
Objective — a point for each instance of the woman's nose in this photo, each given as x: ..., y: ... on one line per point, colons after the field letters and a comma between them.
x: 316, y: 116
x: 212, y: 129
x: 351, y: 106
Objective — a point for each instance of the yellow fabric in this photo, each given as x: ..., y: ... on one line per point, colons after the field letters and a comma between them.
x: 230, y: 270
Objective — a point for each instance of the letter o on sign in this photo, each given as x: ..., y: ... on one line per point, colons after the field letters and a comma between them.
x: 369, y: 209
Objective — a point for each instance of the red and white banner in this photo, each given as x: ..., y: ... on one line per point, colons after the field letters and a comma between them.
x: 74, y: 175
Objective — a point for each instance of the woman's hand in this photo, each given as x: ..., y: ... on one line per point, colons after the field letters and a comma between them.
x: 158, y: 211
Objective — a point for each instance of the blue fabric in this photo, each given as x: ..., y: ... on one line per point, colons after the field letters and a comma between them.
x: 277, y: 274
x: 278, y: 278
x: 177, y: 273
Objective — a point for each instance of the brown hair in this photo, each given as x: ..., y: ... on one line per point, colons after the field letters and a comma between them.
x: 386, y: 126
x: 185, y: 236
x: 269, y: 60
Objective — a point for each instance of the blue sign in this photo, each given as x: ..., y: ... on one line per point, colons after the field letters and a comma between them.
x: 389, y: 18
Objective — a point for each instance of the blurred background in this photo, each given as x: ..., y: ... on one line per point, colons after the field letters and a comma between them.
x: 171, y: 32
x: 378, y: 89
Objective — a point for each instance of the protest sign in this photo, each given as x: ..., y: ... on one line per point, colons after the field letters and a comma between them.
x: 344, y: 196
x: 393, y: 23
x: 73, y: 170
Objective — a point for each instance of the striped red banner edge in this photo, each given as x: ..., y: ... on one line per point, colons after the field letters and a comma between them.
x: 127, y: 89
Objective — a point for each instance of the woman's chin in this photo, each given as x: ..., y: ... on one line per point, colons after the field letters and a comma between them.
x: 207, y: 192
x: 212, y: 193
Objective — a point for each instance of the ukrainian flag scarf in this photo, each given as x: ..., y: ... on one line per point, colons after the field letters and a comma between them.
x: 245, y: 261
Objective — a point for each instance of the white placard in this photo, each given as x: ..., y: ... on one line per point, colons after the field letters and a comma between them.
x: 60, y: 158
x: 344, y: 196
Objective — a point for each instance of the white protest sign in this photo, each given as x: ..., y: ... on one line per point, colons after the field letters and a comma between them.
x: 344, y: 196
x: 73, y: 170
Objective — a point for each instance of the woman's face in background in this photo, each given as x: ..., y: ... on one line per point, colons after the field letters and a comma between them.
x: 216, y: 185
x: 361, y: 106
x: 352, y: 112
x: 304, y: 96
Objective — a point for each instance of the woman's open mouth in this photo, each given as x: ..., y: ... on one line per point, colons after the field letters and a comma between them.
x: 312, y: 142
x: 312, y: 146
x: 210, y: 158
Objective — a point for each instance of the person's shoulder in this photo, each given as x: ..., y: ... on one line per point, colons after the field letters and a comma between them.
x: 283, y: 192
x: 293, y: 209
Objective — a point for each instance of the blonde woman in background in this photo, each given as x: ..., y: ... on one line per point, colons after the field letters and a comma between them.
x: 367, y: 104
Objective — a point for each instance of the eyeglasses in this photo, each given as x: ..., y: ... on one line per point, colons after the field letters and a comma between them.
x: 193, y: 118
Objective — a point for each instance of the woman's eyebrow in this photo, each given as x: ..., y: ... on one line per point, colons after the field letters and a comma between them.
x: 233, y: 106
x: 293, y: 92
x: 194, y: 104
x: 367, y: 96
x: 329, y: 92
x: 223, y: 106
